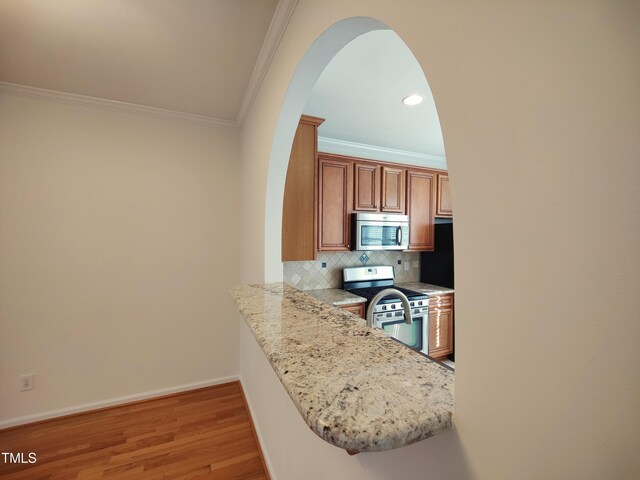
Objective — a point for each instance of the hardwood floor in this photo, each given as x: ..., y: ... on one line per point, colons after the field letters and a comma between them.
x: 204, y: 433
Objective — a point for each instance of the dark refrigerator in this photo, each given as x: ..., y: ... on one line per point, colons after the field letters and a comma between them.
x: 437, y: 267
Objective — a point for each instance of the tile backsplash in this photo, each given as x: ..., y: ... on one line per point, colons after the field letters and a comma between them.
x: 326, y: 270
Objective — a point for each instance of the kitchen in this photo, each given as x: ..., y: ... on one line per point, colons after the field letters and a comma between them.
x: 329, y: 194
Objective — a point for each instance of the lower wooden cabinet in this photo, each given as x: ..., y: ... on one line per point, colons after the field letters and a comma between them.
x: 355, y: 308
x: 440, y: 325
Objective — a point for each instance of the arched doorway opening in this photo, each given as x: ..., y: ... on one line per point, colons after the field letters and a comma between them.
x: 352, y: 84
x: 311, y: 68
x: 359, y: 89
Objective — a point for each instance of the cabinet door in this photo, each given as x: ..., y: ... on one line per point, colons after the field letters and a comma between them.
x: 392, y: 190
x: 355, y: 308
x: 444, y: 207
x: 440, y: 326
x: 366, y: 187
x: 299, y: 205
x: 333, y: 200
x: 420, y: 208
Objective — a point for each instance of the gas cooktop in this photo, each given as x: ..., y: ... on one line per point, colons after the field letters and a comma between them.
x: 370, y: 292
x: 366, y: 282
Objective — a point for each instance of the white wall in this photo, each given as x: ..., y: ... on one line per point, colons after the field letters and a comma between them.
x: 538, y: 104
x: 118, y: 243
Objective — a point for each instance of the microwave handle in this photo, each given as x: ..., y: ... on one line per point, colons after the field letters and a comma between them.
x: 399, y: 236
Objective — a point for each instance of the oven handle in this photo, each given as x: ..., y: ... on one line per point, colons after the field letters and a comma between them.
x: 399, y: 236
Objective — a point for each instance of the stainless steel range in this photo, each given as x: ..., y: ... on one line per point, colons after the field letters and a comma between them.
x: 388, y: 313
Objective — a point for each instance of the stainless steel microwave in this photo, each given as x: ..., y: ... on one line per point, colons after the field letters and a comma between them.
x: 380, y: 231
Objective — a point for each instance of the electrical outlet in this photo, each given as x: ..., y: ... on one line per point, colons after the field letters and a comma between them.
x: 26, y: 382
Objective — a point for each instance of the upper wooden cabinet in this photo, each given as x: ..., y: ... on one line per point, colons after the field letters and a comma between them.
x: 443, y: 204
x: 366, y: 187
x: 334, y: 194
x: 299, y: 207
x: 392, y: 190
x: 421, y: 209
x: 322, y: 190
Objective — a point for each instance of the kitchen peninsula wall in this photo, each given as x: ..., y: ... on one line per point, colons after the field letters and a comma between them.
x: 311, y: 275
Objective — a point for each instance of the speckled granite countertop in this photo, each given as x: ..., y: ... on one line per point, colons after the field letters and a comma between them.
x: 355, y: 388
x: 426, y: 288
x: 335, y: 296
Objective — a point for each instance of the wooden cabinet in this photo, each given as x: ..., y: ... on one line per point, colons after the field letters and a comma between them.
x: 322, y: 190
x: 443, y: 203
x: 393, y: 193
x: 440, y: 325
x: 333, y: 200
x: 421, y: 209
x: 347, y: 185
x: 299, y: 206
x: 366, y: 187
x: 355, y: 308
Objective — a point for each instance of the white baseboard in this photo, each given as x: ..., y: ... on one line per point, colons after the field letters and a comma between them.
x: 262, y: 445
x: 13, y: 422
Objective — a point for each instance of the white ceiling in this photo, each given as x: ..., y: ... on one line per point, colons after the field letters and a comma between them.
x: 192, y: 56
x: 360, y: 95
x: 207, y: 58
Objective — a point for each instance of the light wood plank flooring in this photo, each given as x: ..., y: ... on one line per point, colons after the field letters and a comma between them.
x: 204, y: 433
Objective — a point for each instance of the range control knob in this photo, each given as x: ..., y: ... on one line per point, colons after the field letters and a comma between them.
x: 393, y: 305
x: 384, y: 307
x: 420, y: 302
x: 412, y: 304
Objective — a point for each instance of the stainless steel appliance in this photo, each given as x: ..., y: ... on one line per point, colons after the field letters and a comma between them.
x: 388, y: 313
x: 380, y: 231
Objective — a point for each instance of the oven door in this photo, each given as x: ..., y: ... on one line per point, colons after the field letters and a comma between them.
x: 414, y: 336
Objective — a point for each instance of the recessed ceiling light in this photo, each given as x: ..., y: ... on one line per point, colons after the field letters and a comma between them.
x: 413, y: 100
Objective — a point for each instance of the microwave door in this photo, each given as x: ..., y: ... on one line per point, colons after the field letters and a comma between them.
x: 379, y: 235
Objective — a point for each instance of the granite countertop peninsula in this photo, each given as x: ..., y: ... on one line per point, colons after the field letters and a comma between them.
x: 353, y: 386
x: 335, y: 296
x: 426, y: 288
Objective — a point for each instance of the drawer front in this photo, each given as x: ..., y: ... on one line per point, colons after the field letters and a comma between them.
x: 355, y: 308
x: 445, y: 300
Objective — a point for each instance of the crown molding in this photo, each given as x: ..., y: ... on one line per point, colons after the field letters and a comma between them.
x: 282, y: 15
x: 375, y: 152
x: 109, y: 105
x: 279, y: 22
